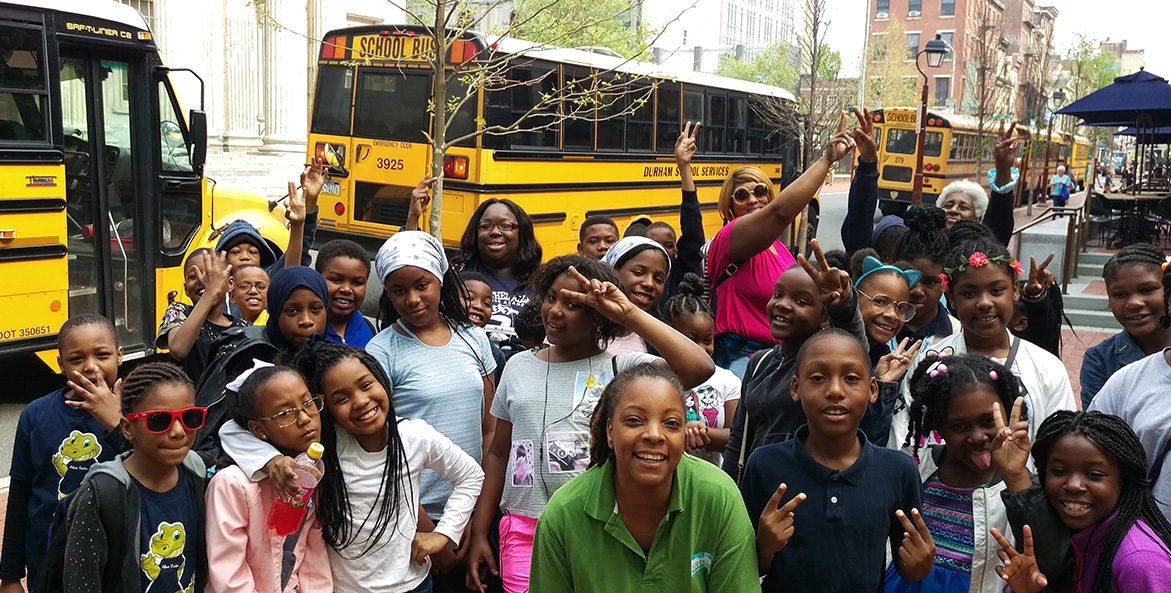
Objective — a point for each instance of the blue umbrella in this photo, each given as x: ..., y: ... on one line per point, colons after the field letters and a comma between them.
x: 1155, y: 135
x: 1139, y: 96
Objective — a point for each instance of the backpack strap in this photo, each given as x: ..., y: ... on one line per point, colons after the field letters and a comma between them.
x: 727, y: 273
x: 1157, y: 463
x: 744, y: 440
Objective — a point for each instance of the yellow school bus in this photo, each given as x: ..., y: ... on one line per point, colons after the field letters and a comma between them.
x: 102, y: 192
x: 370, y: 113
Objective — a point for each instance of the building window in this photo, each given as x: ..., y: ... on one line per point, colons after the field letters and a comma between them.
x: 946, y: 38
x: 914, y: 8
x: 942, y: 89
x: 912, y: 45
x: 947, y: 7
x: 146, y: 7
x: 883, y: 7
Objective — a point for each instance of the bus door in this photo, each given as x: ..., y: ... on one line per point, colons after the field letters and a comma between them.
x: 100, y: 111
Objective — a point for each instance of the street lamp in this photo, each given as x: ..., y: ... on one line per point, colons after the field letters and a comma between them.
x: 1058, y: 97
x: 936, y: 50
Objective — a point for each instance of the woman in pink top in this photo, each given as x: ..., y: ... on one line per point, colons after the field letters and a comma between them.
x: 744, y: 266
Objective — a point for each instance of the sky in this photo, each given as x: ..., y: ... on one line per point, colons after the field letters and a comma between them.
x: 1142, y: 23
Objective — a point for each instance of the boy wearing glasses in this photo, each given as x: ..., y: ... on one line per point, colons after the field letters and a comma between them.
x: 248, y: 290
x: 58, y: 438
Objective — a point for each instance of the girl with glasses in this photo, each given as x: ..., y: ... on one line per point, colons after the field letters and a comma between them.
x: 140, y: 518
x: 883, y: 299
x: 744, y: 265
x: 275, y: 405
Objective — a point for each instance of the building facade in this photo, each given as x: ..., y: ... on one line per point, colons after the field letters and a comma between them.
x: 1129, y: 60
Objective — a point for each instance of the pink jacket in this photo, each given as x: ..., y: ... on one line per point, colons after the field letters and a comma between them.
x: 243, y: 554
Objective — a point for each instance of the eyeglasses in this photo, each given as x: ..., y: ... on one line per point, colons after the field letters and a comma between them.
x: 506, y: 226
x: 289, y: 417
x: 883, y: 302
x: 161, y: 421
x: 760, y: 191
x: 248, y: 286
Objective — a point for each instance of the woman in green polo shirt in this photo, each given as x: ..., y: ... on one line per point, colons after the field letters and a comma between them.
x: 644, y: 517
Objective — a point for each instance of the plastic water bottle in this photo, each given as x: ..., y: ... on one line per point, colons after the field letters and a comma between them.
x: 286, y: 516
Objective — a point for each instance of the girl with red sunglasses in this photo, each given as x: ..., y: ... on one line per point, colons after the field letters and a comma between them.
x: 144, y: 510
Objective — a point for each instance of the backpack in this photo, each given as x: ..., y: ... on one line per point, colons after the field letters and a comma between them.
x: 230, y: 354
x: 50, y: 576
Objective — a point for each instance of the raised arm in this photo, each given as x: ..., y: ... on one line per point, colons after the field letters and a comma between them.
x: 756, y: 231
x: 213, y: 273
x: 863, y: 199
x: 999, y: 215
x: 691, y: 235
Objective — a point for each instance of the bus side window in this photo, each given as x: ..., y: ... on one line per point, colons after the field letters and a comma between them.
x: 756, y: 127
x: 640, y: 123
x: 180, y: 210
x: 955, y: 147
x: 579, y: 130
x: 716, y: 119
x: 667, y: 116
x: 693, y: 112
x: 24, y: 101
x: 522, y: 98
x: 611, y: 115
x: 737, y: 124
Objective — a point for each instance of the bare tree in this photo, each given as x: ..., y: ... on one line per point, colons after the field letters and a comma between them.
x: 890, y: 75
x: 987, y: 68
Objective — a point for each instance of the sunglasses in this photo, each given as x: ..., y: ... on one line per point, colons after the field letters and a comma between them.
x: 760, y: 191
x: 161, y: 421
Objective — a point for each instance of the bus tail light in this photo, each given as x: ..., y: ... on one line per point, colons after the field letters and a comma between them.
x: 339, y: 208
x: 334, y: 155
x: 455, y: 167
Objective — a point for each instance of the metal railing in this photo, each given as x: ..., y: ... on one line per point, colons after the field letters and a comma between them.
x: 1075, y: 235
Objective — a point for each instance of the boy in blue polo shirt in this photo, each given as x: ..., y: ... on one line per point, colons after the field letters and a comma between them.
x: 843, y: 498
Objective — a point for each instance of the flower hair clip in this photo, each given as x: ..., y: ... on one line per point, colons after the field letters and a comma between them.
x: 979, y: 260
x: 943, y: 280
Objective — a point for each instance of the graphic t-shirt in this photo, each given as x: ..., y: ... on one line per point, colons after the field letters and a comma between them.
x: 549, y: 406
x: 169, y: 520
x: 706, y: 403
x: 55, y: 446
x: 196, y: 361
x: 507, y: 300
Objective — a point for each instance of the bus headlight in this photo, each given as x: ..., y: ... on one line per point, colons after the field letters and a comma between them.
x: 455, y: 167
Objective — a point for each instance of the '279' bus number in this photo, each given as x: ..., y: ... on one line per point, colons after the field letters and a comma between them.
x: 391, y: 164
x: 25, y: 332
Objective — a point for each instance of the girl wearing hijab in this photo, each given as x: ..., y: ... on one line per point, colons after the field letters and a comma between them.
x: 440, y: 364
x: 642, y: 266
x: 296, y: 308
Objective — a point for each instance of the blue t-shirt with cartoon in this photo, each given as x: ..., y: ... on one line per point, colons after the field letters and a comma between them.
x: 55, y: 446
x: 167, y: 564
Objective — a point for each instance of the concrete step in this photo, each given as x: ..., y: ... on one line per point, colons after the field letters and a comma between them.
x: 1089, y: 271
x: 1095, y: 319
x: 1085, y: 302
x: 1091, y: 257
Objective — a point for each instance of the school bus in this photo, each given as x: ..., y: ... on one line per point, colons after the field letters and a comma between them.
x: 952, y: 146
x: 370, y: 113
x: 102, y: 192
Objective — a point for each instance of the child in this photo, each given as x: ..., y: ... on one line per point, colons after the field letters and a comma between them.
x: 925, y: 246
x: 546, y: 398
x: 478, y: 303
x: 663, y: 234
x: 598, y: 233
x: 368, y: 499
x: 1134, y: 290
x: 710, y: 406
x: 1093, y: 471
x: 885, y: 303
x: 243, y: 554
x: 137, y: 522
x: 296, y: 308
x: 345, y: 265
x: 839, y: 491
x: 642, y: 266
x: 529, y: 329
x: 58, y: 438
x: 189, y: 331
x: 626, y: 517
x: 440, y: 364
x: 249, y: 292
x: 956, y: 396
x: 981, y: 285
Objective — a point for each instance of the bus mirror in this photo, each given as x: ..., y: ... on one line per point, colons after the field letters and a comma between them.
x: 197, y: 120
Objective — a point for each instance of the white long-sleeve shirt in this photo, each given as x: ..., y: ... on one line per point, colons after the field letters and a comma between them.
x: 388, y: 567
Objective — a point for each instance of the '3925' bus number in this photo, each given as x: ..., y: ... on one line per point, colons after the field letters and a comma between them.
x: 390, y: 164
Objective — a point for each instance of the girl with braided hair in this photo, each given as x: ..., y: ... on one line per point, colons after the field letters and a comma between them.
x: 1093, y: 472
x: 925, y: 247
x: 1134, y: 290
x: 955, y: 397
x: 712, y: 405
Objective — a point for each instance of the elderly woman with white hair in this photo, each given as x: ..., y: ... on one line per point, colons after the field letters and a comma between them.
x: 1060, y: 187
x: 966, y: 200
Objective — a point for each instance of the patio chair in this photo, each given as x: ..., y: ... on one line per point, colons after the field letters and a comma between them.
x: 1105, y: 214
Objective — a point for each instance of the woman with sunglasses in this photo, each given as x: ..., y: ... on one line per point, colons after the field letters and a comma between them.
x: 500, y: 244
x: 243, y: 552
x: 140, y: 517
x: 744, y: 265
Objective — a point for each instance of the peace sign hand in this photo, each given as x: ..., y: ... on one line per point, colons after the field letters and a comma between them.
x: 603, y: 296
x: 1010, y: 448
x: 839, y: 144
x: 891, y: 367
x: 832, y: 284
x: 1020, y: 571
x: 686, y: 146
x: 918, y: 549
x: 776, y: 524
x: 313, y: 179
x: 1005, y: 149
x: 1040, y: 279
x: 863, y: 136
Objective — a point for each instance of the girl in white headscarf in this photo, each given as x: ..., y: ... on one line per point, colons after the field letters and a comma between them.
x: 642, y: 266
x: 440, y: 364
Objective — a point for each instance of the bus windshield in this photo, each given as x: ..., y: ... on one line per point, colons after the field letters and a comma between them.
x: 900, y: 141
x: 391, y: 105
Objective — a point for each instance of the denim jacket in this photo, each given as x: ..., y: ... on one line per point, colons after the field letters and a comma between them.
x: 1104, y: 360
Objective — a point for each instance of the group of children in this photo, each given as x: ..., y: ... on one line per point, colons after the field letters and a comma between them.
x: 534, y: 420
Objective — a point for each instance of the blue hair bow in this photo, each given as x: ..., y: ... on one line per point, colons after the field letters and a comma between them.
x: 871, y: 264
